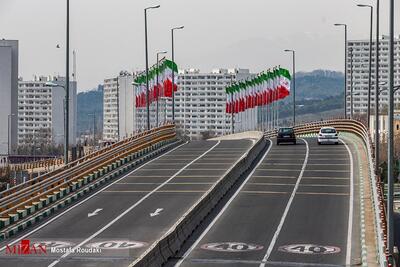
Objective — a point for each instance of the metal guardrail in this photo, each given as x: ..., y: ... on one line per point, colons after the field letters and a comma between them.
x: 358, y: 128
x: 20, y: 196
x: 90, y: 156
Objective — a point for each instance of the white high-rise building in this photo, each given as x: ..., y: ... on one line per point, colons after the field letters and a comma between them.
x: 8, y: 96
x: 119, y: 107
x: 200, y: 104
x: 358, y: 71
x: 41, y: 111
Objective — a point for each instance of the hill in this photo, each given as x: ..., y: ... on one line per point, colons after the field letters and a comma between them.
x: 319, y: 84
x: 90, y: 102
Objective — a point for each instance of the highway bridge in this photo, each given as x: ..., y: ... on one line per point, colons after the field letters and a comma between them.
x: 239, y: 200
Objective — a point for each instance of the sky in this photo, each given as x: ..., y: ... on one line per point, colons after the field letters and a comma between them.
x: 108, y: 35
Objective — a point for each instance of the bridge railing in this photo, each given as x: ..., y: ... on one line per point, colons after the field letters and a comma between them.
x: 24, y: 194
x: 90, y: 156
x: 358, y: 128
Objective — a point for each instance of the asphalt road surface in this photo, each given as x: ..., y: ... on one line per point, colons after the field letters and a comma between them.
x: 118, y: 223
x: 295, y: 209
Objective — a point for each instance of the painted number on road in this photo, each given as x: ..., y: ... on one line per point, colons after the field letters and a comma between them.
x: 231, y: 247
x: 117, y: 244
x: 309, y: 249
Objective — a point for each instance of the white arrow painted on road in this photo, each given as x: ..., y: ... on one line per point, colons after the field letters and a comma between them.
x: 94, y: 213
x: 157, y: 212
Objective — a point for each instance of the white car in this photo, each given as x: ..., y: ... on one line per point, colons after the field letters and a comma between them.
x: 328, y: 135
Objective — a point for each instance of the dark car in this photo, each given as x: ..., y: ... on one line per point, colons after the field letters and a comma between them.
x: 286, y: 135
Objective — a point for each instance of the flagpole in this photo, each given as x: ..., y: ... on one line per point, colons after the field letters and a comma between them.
x: 232, y: 109
x: 277, y: 114
x: 276, y: 109
x: 273, y: 110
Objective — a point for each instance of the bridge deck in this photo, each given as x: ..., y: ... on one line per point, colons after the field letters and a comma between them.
x: 291, y: 211
x: 136, y: 210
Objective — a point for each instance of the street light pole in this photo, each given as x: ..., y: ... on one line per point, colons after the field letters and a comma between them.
x: 345, y: 67
x: 173, y: 74
x: 8, y: 130
x: 94, y: 127
x: 147, y: 64
x: 66, y: 130
x: 377, y: 139
x: 390, y: 223
x: 294, y: 84
x: 370, y: 65
x: 157, y: 109
x: 351, y: 82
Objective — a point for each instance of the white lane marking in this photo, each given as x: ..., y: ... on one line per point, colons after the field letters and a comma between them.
x: 130, y: 208
x: 350, y: 223
x: 156, y: 212
x: 94, y: 213
x: 222, y: 210
x: 86, y: 199
x: 283, y: 218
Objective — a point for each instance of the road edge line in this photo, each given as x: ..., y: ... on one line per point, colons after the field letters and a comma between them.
x: 351, y: 204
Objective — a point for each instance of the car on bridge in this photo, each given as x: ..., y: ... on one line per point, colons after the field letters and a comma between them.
x: 286, y: 135
x: 328, y: 135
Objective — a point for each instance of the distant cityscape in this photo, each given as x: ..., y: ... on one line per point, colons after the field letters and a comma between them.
x: 35, y: 116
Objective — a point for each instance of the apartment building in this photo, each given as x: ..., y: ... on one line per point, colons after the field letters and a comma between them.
x: 41, y: 111
x: 119, y: 107
x: 358, y: 72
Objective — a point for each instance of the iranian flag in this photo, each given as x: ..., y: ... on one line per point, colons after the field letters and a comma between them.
x: 228, y: 100
x: 284, y: 83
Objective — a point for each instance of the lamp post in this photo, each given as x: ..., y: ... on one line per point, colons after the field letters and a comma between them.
x: 158, y: 54
x: 66, y: 117
x: 173, y: 74
x: 370, y: 65
x: 147, y: 64
x: 351, y: 83
x: 66, y: 122
x: 390, y: 222
x: 345, y: 66
x: 377, y: 144
x: 351, y: 94
x: 94, y: 127
x: 8, y: 131
x: 294, y: 84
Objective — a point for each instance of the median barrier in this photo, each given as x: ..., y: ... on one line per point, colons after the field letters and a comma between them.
x: 172, y: 241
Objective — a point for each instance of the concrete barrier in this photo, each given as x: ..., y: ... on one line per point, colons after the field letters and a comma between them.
x: 171, y: 242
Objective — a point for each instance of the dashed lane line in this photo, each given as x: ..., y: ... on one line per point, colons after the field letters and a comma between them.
x: 129, y: 209
x: 227, y: 204
x: 290, y: 201
x: 156, y: 192
x: 298, y: 193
